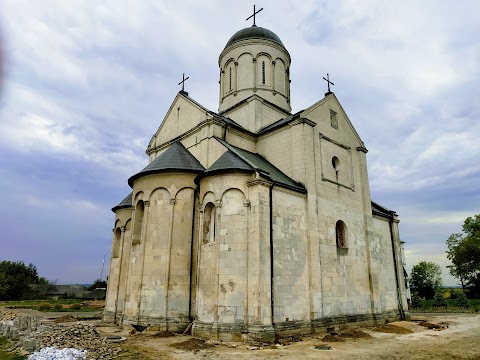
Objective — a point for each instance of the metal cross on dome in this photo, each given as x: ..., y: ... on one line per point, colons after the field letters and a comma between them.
x: 328, y: 82
x: 254, y: 13
x: 183, y: 81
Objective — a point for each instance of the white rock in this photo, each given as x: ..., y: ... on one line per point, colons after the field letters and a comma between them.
x: 52, y: 353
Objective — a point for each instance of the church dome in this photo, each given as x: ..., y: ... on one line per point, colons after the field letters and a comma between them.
x: 254, y: 32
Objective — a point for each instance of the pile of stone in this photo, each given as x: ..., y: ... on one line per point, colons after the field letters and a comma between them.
x: 34, y: 334
x: 8, y: 315
x: 20, y: 326
x: 80, y: 336
x: 58, y: 354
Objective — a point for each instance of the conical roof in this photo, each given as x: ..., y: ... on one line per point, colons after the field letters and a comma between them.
x: 125, y: 203
x: 229, y: 161
x: 175, y: 158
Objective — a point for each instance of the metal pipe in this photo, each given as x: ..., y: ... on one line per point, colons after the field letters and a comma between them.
x: 395, y: 265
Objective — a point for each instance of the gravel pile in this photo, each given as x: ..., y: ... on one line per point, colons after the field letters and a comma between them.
x: 6, y: 315
x: 52, y: 353
x: 64, y: 319
x: 80, y: 336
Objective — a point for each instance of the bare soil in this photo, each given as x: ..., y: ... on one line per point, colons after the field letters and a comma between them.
x: 460, y: 340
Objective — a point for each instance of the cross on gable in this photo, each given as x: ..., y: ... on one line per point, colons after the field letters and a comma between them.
x: 183, y: 81
x: 254, y: 13
x: 328, y: 82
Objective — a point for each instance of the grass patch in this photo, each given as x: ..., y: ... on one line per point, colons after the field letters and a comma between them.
x: 58, y: 305
x: 427, y: 305
x: 5, y: 344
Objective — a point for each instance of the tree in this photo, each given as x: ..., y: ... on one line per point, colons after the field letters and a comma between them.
x: 462, y: 301
x: 18, y: 281
x: 464, y: 253
x: 438, y: 300
x: 425, y: 279
x: 99, y: 283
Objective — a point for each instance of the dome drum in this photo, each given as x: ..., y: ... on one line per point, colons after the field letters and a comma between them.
x: 254, y: 61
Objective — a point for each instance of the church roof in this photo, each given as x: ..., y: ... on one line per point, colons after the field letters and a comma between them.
x: 382, y: 211
x: 125, y: 203
x: 279, y: 123
x: 175, y: 158
x: 229, y: 161
x: 254, y: 32
x: 262, y: 165
x: 213, y: 113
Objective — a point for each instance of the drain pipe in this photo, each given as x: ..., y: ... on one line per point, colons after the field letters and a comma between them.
x: 191, y: 256
x: 270, y: 196
x: 395, y: 265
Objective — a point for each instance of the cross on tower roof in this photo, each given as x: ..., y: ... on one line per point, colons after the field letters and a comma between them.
x: 254, y: 13
x: 183, y: 81
x: 328, y: 82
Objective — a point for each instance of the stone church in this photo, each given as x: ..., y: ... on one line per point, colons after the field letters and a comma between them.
x: 253, y: 222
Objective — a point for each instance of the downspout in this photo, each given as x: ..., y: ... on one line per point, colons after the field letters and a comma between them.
x: 191, y: 258
x: 395, y: 265
x: 270, y: 196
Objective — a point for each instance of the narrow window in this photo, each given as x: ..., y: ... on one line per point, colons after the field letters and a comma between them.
x: 137, y: 228
x: 263, y: 72
x: 341, y: 234
x: 333, y: 119
x: 336, y: 165
x: 209, y: 223
x: 230, y: 79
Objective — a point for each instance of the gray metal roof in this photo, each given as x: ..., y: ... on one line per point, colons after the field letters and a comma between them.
x: 125, y: 203
x: 175, y: 158
x: 380, y: 210
x: 279, y: 123
x: 229, y: 161
x: 254, y: 32
x: 262, y: 165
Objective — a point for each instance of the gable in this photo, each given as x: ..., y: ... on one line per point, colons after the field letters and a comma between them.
x: 182, y: 116
x: 320, y: 113
x: 255, y: 113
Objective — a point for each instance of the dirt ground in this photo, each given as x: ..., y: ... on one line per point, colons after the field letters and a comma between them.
x: 461, y: 340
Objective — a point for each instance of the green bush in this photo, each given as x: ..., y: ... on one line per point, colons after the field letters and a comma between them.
x: 75, y: 306
x: 416, y: 302
x: 44, y: 306
x: 439, y: 301
x: 57, y: 307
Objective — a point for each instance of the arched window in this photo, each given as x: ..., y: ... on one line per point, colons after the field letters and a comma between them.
x: 137, y: 227
x: 209, y: 223
x: 341, y: 234
x: 263, y: 72
x: 116, y: 243
x: 336, y: 165
x: 230, y: 86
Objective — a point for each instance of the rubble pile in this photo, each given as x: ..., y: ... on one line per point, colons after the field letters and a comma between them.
x: 34, y: 334
x: 8, y: 315
x: 80, y: 336
x: 58, y: 354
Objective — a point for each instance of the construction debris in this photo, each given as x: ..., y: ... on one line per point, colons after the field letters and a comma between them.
x: 58, y: 354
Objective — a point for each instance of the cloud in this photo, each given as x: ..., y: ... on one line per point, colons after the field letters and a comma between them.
x: 87, y: 84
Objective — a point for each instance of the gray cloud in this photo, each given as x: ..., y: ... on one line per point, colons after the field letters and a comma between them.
x: 87, y: 84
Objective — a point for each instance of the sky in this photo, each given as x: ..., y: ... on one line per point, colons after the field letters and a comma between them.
x: 87, y: 83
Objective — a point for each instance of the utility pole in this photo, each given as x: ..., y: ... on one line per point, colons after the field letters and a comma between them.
x: 103, y: 264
